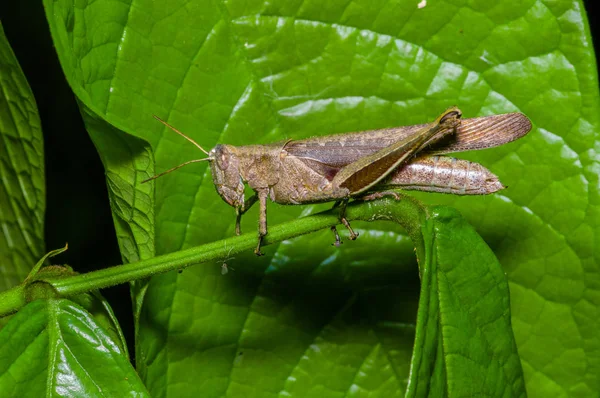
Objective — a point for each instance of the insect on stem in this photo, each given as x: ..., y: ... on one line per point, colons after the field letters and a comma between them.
x: 362, y: 165
x: 224, y: 267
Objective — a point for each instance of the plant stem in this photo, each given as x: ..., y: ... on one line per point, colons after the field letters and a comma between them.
x: 407, y: 212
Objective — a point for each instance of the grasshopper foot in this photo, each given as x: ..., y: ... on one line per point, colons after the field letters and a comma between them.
x: 257, y: 250
x: 378, y: 195
x: 352, y: 235
x: 338, y: 242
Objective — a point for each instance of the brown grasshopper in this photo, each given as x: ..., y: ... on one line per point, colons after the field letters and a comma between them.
x: 364, y: 164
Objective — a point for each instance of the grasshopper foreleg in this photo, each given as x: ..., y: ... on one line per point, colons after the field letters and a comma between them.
x: 239, y: 212
x: 262, y: 218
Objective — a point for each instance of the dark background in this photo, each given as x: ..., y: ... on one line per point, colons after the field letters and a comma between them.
x: 77, y: 208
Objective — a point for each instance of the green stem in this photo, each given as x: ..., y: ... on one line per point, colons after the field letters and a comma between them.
x: 407, y: 212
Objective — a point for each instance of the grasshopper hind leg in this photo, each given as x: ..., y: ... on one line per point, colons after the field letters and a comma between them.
x: 351, y: 234
x: 380, y: 194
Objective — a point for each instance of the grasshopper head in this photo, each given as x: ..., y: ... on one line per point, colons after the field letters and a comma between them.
x: 225, y: 169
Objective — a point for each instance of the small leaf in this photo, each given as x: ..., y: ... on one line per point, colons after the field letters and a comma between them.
x: 40, y: 263
x: 54, y: 347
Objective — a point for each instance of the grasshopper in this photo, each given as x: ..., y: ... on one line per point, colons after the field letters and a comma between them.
x: 359, y: 165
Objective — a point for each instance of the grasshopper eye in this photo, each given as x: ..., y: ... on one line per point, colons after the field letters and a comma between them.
x: 221, y: 157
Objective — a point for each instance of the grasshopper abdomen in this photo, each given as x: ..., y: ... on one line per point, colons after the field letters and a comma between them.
x: 445, y: 175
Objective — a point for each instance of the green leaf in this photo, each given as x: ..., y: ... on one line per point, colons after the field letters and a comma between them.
x: 247, y: 72
x: 99, y: 308
x: 54, y: 347
x: 128, y: 161
x: 22, y: 191
x: 464, y: 343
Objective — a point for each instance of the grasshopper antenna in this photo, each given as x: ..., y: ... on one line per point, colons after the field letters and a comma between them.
x: 180, y: 133
x: 175, y: 168
x: 185, y: 163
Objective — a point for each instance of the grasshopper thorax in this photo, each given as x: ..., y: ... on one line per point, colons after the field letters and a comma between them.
x: 225, y: 169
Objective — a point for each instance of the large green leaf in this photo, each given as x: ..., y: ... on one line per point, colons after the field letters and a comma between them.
x: 252, y: 71
x: 56, y: 348
x: 22, y: 191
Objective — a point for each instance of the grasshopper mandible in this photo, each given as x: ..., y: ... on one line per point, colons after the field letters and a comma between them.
x: 352, y: 165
